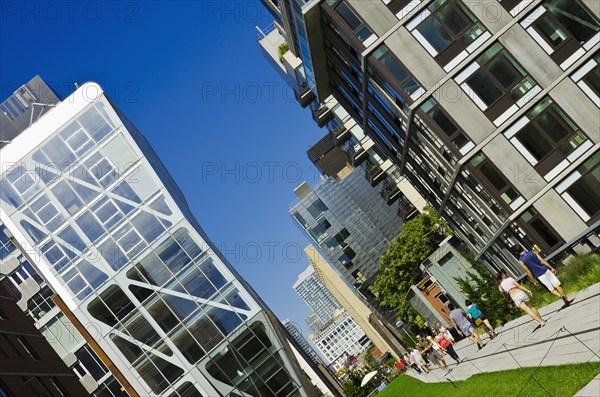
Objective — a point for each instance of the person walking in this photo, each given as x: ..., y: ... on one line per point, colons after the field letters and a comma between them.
x: 445, y: 331
x: 445, y: 344
x: 436, y: 353
x: 475, y: 314
x: 413, y: 364
x: 519, y: 295
x: 418, y: 359
x: 463, y: 326
x: 538, y: 269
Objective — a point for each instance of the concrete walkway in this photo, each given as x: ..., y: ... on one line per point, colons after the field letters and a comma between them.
x: 521, y: 344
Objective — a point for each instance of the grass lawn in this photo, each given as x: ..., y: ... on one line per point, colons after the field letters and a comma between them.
x: 580, y: 273
x: 560, y: 381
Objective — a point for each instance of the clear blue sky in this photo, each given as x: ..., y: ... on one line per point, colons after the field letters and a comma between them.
x: 191, y: 77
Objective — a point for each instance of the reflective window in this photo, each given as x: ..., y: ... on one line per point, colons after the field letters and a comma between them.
x: 446, y: 29
x: 250, y: 364
x: 549, y: 137
x: 580, y: 190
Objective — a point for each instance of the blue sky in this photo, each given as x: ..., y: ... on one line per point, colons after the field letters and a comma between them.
x: 191, y: 77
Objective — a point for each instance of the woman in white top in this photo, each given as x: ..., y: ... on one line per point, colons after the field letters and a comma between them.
x: 520, y: 296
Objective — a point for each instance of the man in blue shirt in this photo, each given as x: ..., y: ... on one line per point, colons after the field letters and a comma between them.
x: 537, y: 268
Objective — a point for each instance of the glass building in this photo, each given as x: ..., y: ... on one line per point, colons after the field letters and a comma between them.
x: 111, y: 234
x: 349, y: 221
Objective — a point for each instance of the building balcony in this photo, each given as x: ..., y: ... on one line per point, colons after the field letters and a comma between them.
x: 341, y: 135
x: 390, y: 192
x: 406, y: 209
x: 323, y: 115
x: 374, y: 174
x: 304, y: 96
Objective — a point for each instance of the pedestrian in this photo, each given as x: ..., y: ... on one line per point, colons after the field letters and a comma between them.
x: 519, y: 295
x: 410, y: 359
x: 424, y: 347
x: 538, y: 269
x: 463, y: 326
x: 445, y: 344
x: 445, y: 331
x: 475, y: 314
x: 418, y: 359
x: 435, y: 354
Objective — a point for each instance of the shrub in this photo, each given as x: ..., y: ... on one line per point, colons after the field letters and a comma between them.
x: 283, y: 48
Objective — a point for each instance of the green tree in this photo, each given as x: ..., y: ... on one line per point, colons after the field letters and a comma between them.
x: 481, y: 287
x: 351, y: 385
x: 399, y: 266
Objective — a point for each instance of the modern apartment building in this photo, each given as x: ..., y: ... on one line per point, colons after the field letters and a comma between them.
x: 340, y: 339
x: 487, y: 109
x: 28, y: 364
x: 337, y: 334
x: 110, y: 233
x: 322, y: 304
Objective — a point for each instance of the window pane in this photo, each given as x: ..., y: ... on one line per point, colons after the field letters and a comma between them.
x: 553, y: 128
x: 544, y: 232
x: 505, y: 75
x: 435, y: 34
x: 585, y: 192
x: 348, y: 16
x: 573, y: 15
x: 484, y: 87
x: 493, y: 176
x: 534, y: 142
x: 550, y: 30
x: 454, y: 20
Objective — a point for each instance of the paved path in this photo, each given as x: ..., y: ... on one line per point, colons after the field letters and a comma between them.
x: 520, y: 344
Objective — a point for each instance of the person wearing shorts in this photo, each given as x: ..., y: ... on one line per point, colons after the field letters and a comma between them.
x: 461, y: 323
x: 475, y: 314
x: 539, y: 271
x: 520, y: 296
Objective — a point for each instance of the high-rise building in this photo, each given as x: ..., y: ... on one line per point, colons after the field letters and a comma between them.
x: 317, y: 297
x: 340, y: 339
x: 29, y: 366
x: 349, y: 221
x: 336, y: 335
x: 379, y: 332
x: 111, y: 234
x: 486, y: 109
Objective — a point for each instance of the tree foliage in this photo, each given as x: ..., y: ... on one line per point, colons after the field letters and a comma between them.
x: 351, y: 385
x: 399, y: 266
x: 481, y: 288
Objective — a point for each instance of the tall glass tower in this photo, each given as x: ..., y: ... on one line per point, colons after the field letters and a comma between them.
x: 85, y: 195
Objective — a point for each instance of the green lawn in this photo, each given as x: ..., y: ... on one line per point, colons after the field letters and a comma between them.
x: 580, y: 273
x: 560, y: 381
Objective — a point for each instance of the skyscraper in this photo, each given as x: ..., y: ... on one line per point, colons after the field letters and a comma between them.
x: 322, y: 303
x: 334, y: 332
x: 349, y: 221
x: 486, y: 109
x: 114, y: 238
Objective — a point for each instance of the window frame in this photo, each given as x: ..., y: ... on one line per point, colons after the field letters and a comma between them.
x: 547, y: 165
x: 563, y: 189
x: 501, y: 108
x: 482, y: 179
x: 563, y: 53
x: 351, y: 33
x: 450, y: 55
x: 532, y: 232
